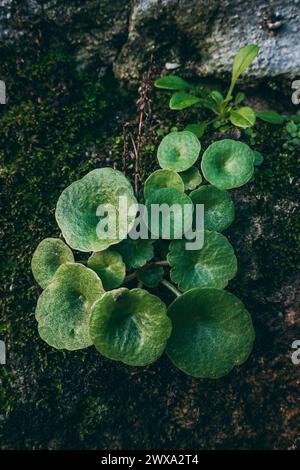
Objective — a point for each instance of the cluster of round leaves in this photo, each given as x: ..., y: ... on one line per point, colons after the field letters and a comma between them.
x: 206, y: 331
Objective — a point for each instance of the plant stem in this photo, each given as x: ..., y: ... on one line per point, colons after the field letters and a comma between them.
x: 130, y: 277
x: 170, y: 286
x: 162, y: 263
x: 229, y: 93
x: 133, y: 275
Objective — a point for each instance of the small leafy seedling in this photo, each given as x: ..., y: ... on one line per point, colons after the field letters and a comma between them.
x: 206, y: 330
x: 227, y: 109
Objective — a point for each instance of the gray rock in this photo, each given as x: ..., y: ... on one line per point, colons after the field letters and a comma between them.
x: 97, y: 29
x: 204, y: 35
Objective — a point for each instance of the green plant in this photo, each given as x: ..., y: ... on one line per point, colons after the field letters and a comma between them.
x: 293, y: 132
x: 206, y: 331
x: 227, y: 109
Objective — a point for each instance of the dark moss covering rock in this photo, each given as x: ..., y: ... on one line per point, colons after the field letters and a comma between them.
x: 60, y: 122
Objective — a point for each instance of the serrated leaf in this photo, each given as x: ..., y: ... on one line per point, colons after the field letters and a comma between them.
x: 212, y: 333
x: 171, y: 82
x: 243, y: 117
x: 130, y: 326
x: 270, y: 116
x: 182, y: 100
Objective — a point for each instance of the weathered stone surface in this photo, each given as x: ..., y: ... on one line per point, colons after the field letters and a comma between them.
x: 202, y: 36
x: 96, y: 29
x: 195, y: 36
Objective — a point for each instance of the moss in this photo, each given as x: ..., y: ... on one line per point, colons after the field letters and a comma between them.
x: 59, y: 123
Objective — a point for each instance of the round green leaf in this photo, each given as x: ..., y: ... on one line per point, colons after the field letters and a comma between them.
x: 77, y: 208
x: 227, y: 164
x: 243, y: 117
x: 109, y: 266
x: 50, y: 254
x: 130, y: 326
x: 212, y: 333
x: 63, y: 309
x: 218, y: 207
x: 151, y: 275
x: 177, y: 218
x: 211, y: 266
x: 191, y: 178
x: 136, y: 253
x: 162, y: 179
x: 178, y: 151
x: 171, y: 82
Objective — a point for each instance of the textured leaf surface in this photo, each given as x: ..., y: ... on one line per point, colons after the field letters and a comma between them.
x: 211, y: 266
x: 50, y: 254
x: 130, y: 326
x: 77, y: 206
x: 227, y: 164
x: 243, y: 117
x: 162, y: 179
x: 218, y: 207
x: 109, y: 266
x: 63, y: 309
x: 212, y: 333
x: 178, y: 151
x: 191, y: 178
x: 176, y: 220
x: 135, y: 253
x: 151, y: 275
